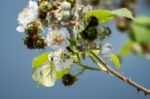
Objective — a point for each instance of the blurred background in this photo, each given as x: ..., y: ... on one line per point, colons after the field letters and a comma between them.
x: 16, y: 71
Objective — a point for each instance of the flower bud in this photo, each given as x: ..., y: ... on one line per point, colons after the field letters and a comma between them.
x: 137, y: 48
x: 45, y: 6
x: 69, y: 79
x: 123, y: 24
x: 31, y: 29
x: 66, y: 5
x: 40, y: 1
x: 66, y: 15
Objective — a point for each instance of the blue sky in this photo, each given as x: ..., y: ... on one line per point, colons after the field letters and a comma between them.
x: 16, y: 71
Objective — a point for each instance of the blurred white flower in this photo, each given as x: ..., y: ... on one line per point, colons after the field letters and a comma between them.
x: 84, y: 9
x: 58, y: 38
x: 75, y: 13
x: 58, y: 15
x: 106, y: 50
x: 66, y: 15
x: 61, y: 58
x: 29, y: 14
x: 75, y: 29
x: 65, y: 5
x: 45, y: 75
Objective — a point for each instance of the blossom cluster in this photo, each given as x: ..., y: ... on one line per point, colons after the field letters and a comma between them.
x: 60, y: 26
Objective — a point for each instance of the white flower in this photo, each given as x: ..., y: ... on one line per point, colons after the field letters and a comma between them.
x: 61, y: 58
x: 55, y: 15
x: 75, y: 12
x: 45, y: 75
x: 66, y: 14
x: 29, y: 14
x: 65, y: 5
x: 106, y: 50
x: 85, y: 9
x: 58, y: 38
x: 75, y: 29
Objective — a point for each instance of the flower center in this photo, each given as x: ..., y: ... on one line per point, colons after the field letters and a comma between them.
x: 58, y: 38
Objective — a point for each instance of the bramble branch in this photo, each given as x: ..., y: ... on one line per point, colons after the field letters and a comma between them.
x: 122, y: 77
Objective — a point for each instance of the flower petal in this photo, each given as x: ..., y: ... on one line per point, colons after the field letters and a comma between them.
x: 20, y: 28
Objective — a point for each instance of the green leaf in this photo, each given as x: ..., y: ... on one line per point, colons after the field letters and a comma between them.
x: 106, y: 15
x: 123, y: 12
x: 126, y: 49
x: 115, y: 60
x: 43, y: 58
x: 141, y: 33
x: 60, y: 74
x: 143, y: 20
x: 102, y: 15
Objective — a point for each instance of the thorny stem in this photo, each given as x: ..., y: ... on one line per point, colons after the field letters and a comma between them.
x: 122, y: 77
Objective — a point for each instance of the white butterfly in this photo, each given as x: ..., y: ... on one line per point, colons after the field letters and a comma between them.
x: 45, y: 75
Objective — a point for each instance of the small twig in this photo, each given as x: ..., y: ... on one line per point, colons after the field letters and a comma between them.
x: 122, y: 77
x: 102, y: 68
x: 88, y: 67
x: 80, y: 72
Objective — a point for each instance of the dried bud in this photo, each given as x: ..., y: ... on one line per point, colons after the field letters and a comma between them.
x: 34, y: 42
x: 40, y: 43
x: 42, y: 15
x: 69, y: 79
x: 34, y: 28
x: 93, y: 21
x: 29, y: 41
x: 90, y: 33
x: 73, y: 2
